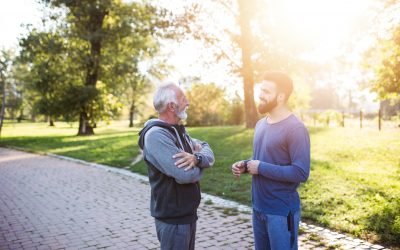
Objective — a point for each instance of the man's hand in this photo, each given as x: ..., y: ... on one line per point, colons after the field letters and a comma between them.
x: 238, y: 168
x: 252, y: 167
x: 185, y: 160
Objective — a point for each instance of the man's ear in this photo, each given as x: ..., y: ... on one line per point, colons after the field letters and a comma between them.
x: 281, y: 97
x: 171, y: 106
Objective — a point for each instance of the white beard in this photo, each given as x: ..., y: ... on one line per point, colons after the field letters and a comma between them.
x: 182, y: 115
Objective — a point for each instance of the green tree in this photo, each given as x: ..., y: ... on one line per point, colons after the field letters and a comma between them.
x: 235, y: 111
x: 387, y: 82
x: 11, y: 101
x: 46, y: 53
x: 209, y: 105
x: 21, y: 75
x: 86, y: 21
x: 104, y: 42
x: 5, y: 64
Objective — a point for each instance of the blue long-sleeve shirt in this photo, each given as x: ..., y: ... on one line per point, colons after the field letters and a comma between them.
x: 283, y: 150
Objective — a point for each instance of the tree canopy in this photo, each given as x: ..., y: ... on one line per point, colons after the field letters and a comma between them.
x: 90, y: 56
x: 387, y: 81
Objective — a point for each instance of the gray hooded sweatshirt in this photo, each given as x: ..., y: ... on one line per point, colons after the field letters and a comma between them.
x: 175, y: 193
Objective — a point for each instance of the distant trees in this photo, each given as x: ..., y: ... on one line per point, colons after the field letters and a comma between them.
x: 235, y: 111
x: 11, y: 95
x: 137, y: 85
x: 209, y: 105
x: 45, y: 53
x: 383, y: 57
x: 387, y: 82
x: 5, y: 61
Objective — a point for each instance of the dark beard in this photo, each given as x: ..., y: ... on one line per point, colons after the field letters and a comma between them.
x: 265, y: 107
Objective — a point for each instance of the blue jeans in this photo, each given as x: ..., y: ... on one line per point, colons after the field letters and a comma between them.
x: 271, y: 231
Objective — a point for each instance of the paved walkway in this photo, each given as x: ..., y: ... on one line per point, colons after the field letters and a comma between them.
x: 47, y: 202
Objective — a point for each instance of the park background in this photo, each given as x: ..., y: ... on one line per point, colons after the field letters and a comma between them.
x: 77, y: 80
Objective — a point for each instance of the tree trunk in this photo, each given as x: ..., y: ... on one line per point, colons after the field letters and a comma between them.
x: 3, y: 103
x: 12, y: 114
x: 93, y: 66
x: 131, y: 113
x: 247, y: 69
x: 21, y: 116
x: 51, y: 123
x: 91, y: 78
x: 84, y: 126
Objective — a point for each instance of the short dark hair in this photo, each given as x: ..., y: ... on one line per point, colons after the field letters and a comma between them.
x: 283, y: 82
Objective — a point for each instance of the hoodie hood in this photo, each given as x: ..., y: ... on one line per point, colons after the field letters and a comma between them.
x: 148, y: 125
x: 177, y: 130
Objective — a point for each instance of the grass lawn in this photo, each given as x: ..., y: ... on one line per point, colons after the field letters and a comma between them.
x: 354, y: 185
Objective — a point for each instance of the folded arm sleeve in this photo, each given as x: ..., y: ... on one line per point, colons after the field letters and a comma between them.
x: 159, y: 149
x: 299, y: 151
x: 207, y: 154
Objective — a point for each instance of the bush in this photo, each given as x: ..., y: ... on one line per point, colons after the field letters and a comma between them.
x: 385, y: 221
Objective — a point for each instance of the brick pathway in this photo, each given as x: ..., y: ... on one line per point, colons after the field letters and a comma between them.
x: 50, y: 203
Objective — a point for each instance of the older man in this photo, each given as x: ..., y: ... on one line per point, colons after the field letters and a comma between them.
x: 175, y: 163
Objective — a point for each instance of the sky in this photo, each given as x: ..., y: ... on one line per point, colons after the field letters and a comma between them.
x: 13, y: 14
x: 323, y: 22
x: 326, y: 22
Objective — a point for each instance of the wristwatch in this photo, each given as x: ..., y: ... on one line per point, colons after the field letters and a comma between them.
x: 199, y: 158
x: 246, y: 168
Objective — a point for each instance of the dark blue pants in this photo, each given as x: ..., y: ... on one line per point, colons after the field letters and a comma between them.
x: 175, y: 236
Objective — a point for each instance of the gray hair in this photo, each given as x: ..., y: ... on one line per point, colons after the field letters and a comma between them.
x: 165, y: 94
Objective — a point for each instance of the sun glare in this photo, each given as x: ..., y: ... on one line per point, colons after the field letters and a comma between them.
x: 321, y: 25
